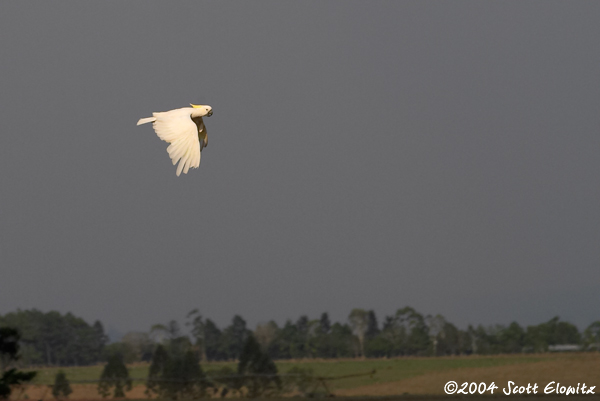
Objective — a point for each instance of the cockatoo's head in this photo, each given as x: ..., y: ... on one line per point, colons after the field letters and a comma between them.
x: 206, y: 110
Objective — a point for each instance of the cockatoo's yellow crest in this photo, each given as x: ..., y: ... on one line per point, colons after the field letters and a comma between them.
x: 196, y: 106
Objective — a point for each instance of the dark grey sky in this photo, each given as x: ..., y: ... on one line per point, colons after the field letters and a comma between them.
x: 442, y: 155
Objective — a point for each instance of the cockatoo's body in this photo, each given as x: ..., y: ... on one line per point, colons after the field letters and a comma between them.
x: 185, y: 131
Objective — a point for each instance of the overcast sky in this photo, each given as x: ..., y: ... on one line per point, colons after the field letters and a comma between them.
x: 442, y: 155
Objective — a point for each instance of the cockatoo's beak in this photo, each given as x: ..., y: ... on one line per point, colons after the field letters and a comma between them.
x: 209, y: 113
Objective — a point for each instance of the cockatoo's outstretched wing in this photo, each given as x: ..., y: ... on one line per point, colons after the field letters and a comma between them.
x: 177, y: 128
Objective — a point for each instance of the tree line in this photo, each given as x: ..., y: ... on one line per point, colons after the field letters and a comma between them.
x: 54, y: 339
x: 175, y: 373
x: 65, y: 340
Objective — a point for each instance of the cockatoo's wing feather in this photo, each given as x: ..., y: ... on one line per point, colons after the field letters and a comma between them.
x: 177, y: 128
x: 201, y: 132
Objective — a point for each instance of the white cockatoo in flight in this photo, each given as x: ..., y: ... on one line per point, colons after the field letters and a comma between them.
x: 185, y: 131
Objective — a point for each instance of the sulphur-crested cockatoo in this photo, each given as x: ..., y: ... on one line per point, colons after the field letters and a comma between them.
x: 185, y: 131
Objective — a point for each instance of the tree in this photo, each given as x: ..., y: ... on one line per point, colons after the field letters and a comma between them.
x: 9, y: 354
x: 449, y: 343
x: 158, y: 368
x: 512, y: 339
x: 465, y: 342
x: 182, y: 378
x: 159, y: 333
x: 325, y: 323
x: 359, y: 322
x: 553, y: 332
x: 472, y: 337
x: 55, y: 339
x: 565, y: 333
x: 194, y: 382
x: 436, y: 325
x: 170, y: 336
x: 179, y: 346
x: 125, y: 350
x: 198, y: 331
x: 591, y: 335
x: 176, y: 376
x: 213, y: 341
x: 259, y: 371
x: 372, y: 326
x: 9, y: 346
x: 266, y: 333
x: 286, y: 344
x: 485, y: 339
x: 320, y: 343
x: 139, y: 345
x: 173, y: 329
x: 115, y: 374
x: 100, y: 339
x: 61, y: 387
x: 303, y: 333
x: 341, y: 341
x: 394, y: 334
x: 234, y: 337
x: 417, y: 341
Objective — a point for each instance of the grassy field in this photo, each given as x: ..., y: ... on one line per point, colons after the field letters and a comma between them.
x: 386, y: 369
x: 392, y: 376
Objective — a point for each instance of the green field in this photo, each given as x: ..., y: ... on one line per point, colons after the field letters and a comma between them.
x: 394, y: 379
x: 387, y: 370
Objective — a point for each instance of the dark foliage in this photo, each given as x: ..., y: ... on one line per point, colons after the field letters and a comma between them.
x: 9, y: 353
x: 115, y: 375
x: 55, y: 339
x: 61, y: 387
x: 258, y: 371
x: 175, y: 376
